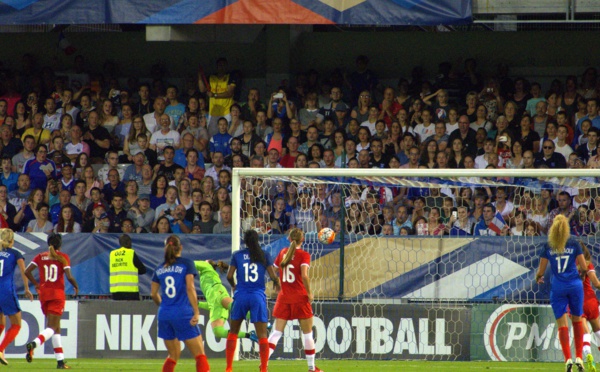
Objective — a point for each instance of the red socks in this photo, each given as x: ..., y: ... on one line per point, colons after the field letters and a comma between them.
x: 563, y: 336
x: 169, y: 365
x: 230, y: 351
x: 263, y: 345
x: 1, y: 329
x: 578, y: 336
x: 202, y: 364
x: 10, y: 336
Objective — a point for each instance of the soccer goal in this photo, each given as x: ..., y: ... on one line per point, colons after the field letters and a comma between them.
x: 426, y: 264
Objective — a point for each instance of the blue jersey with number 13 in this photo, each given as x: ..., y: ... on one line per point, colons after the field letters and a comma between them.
x: 250, y: 276
x: 564, y: 266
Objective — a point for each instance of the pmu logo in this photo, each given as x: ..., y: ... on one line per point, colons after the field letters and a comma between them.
x: 515, y: 330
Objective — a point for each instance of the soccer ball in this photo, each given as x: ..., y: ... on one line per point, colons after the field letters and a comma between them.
x: 326, y: 235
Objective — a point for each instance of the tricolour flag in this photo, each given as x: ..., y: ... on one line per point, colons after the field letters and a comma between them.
x: 497, y: 224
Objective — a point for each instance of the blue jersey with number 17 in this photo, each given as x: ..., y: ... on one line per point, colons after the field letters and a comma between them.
x: 8, y: 263
x: 564, y: 266
x: 250, y: 276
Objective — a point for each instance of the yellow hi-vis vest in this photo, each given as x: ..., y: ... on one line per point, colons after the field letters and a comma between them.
x: 123, y: 273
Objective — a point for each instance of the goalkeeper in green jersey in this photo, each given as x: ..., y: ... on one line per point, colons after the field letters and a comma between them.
x: 218, y: 300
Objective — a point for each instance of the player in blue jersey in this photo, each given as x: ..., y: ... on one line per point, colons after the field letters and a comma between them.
x: 9, y: 304
x: 564, y: 255
x: 174, y: 292
x: 249, y: 267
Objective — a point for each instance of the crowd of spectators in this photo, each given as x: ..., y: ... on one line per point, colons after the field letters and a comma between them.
x: 146, y: 157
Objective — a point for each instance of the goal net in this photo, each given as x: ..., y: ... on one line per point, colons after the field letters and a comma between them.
x: 426, y: 264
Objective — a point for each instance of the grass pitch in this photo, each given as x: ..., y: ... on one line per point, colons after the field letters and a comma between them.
x: 187, y: 364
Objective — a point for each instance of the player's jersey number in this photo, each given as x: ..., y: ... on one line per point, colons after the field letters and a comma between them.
x: 51, y: 272
x: 562, y: 262
x: 170, y: 289
x: 250, y: 272
x: 288, y: 274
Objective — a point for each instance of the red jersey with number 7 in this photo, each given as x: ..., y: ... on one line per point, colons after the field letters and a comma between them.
x: 52, y: 276
x: 292, y: 287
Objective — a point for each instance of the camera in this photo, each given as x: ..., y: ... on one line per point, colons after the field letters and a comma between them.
x: 116, y: 93
x: 168, y: 212
x: 455, y: 214
x: 490, y: 90
x: 502, y: 139
x: 278, y: 96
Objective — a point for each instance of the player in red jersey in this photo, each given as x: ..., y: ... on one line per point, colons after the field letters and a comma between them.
x: 294, y: 299
x: 53, y: 265
x: 590, y: 309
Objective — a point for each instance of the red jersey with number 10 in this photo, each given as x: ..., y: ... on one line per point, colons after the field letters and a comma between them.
x: 292, y: 287
x: 52, y: 276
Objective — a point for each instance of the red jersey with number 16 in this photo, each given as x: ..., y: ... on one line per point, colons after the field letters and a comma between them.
x: 52, y: 276
x: 292, y: 287
x: 588, y: 291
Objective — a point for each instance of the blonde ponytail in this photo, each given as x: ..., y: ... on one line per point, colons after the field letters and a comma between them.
x: 7, y: 238
x: 296, y: 236
x: 559, y: 234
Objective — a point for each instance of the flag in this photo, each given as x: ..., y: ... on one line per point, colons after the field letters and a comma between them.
x: 497, y: 224
x: 65, y: 45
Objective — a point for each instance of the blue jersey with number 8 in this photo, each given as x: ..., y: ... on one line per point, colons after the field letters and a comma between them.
x: 174, y: 299
x: 564, y: 266
x: 250, y: 276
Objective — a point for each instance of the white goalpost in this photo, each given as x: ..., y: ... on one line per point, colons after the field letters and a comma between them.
x: 434, y: 292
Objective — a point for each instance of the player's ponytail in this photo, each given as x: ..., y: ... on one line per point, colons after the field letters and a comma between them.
x: 256, y: 252
x: 54, y: 244
x: 296, y: 236
x: 7, y: 237
x: 559, y: 234
x: 586, y: 252
x: 172, y: 249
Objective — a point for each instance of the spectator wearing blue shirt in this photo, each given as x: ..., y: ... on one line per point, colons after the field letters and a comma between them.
x: 175, y: 109
x: 40, y: 169
x: 64, y: 198
x: 134, y: 171
x: 220, y: 142
x: 113, y: 186
x: 8, y: 178
x: 187, y: 143
x: 179, y: 224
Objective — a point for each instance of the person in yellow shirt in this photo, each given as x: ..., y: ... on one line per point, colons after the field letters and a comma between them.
x: 219, y: 89
x: 40, y: 135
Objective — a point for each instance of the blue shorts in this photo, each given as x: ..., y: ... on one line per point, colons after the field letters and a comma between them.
x: 254, y: 302
x: 565, y: 295
x: 9, y: 305
x: 177, y: 329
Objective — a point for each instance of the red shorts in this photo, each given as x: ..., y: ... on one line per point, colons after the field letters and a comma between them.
x: 590, y: 309
x: 55, y: 307
x: 301, y: 310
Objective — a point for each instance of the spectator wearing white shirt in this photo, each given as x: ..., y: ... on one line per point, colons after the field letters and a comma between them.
x: 426, y: 129
x: 164, y: 137
x: 76, y: 146
x: 152, y: 120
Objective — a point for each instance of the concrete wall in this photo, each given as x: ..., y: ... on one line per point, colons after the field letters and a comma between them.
x: 393, y: 54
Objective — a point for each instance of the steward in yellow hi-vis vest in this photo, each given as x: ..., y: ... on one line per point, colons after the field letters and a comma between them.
x: 124, y: 268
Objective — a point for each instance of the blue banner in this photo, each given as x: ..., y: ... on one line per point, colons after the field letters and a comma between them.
x: 485, y: 268
x: 353, y: 12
